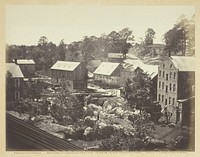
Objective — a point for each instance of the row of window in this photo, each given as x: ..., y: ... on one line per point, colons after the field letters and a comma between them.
x: 171, y: 88
x: 167, y: 76
x: 170, y: 101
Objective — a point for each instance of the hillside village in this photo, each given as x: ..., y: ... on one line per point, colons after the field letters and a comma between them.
x: 130, y: 97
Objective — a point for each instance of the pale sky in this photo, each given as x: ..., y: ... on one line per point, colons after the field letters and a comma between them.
x: 26, y: 24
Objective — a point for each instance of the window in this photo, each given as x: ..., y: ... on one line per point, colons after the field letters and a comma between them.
x: 162, y: 98
x: 165, y: 101
x: 163, y: 65
x: 170, y: 66
x: 170, y: 75
x: 170, y: 87
x: 173, y: 101
x: 169, y: 100
x: 166, y: 76
x: 166, y: 89
x: 17, y: 83
x: 160, y: 72
x: 17, y: 95
x: 174, y: 87
x: 162, y: 85
x: 174, y: 75
x: 159, y: 97
x: 163, y: 74
x: 159, y: 84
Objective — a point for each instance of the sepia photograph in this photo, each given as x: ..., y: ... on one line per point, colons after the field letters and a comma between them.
x: 100, y: 78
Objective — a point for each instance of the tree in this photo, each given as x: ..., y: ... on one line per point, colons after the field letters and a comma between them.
x: 180, y: 39
x: 43, y: 41
x: 67, y: 106
x: 29, y: 106
x: 138, y: 90
x: 44, y: 54
x: 127, y: 38
x: 61, y: 50
x: 120, y: 42
x: 149, y: 35
x: 120, y: 140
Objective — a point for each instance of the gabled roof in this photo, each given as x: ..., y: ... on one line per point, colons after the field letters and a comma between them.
x: 65, y: 65
x: 106, y: 68
x: 183, y: 63
x: 25, y: 61
x: 14, y: 70
x: 151, y: 70
x: 133, y: 63
x: 115, y: 55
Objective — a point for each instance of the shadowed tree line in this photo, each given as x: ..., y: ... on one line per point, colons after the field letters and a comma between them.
x: 46, y: 53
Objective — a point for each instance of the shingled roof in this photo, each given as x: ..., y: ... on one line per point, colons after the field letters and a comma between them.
x: 183, y: 63
x: 106, y: 68
x: 65, y: 65
x: 14, y: 70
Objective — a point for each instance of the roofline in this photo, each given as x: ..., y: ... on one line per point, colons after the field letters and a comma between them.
x: 66, y: 70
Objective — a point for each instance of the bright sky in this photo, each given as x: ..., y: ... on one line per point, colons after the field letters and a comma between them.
x: 26, y: 24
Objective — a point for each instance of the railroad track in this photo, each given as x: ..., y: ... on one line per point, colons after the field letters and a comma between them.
x: 29, y: 137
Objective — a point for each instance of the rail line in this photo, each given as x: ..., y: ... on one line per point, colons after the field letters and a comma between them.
x: 22, y: 133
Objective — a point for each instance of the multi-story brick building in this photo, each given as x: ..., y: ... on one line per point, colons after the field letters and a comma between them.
x: 73, y: 73
x: 176, y: 80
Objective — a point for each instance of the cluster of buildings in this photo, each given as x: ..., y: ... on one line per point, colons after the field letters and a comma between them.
x: 173, y: 80
x: 16, y: 73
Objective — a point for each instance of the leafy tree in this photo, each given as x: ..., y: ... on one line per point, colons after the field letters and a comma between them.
x: 62, y: 50
x: 43, y: 41
x: 138, y: 90
x: 15, y: 52
x: 120, y: 140
x: 180, y: 39
x: 45, y: 107
x: 149, y: 35
x: 67, y: 106
x: 30, y: 107
x: 46, y: 53
x: 119, y: 42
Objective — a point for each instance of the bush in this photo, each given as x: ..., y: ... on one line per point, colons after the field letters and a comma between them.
x: 153, y: 144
